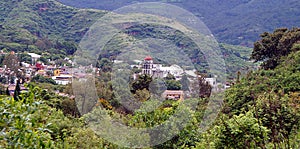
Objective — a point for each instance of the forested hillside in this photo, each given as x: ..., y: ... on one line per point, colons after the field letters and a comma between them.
x: 237, y: 22
x: 48, y: 27
x: 43, y: 25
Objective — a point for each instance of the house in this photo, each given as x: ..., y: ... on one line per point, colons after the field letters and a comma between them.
x: 62, y: 79
x: 173, y: 95
x: 212, y: 81
x: 39, y: 66
x: 175, y: 70
x: 56, y: 72
x: 34, y: 57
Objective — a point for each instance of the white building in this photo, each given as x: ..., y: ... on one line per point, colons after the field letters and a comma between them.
x: 62, y: 79
x: 158, y: 71
x: 34, y: 57
x: 175, y: 70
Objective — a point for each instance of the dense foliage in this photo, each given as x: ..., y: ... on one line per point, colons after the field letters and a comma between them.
x: 260, y: 111
x: 274, y: 45
x: 43, y: 26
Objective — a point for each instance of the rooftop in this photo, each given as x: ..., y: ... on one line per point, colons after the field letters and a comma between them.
x: 148, y: 58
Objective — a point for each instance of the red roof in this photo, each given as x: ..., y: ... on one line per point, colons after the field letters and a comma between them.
x: 39, y: 66
x: 148, y: 58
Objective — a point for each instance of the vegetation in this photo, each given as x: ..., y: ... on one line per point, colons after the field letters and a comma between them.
x: 274, y: 45
x: 43, y: 26
x: 53, y: 30
x: 232, y: 22
x: 42, y: 79
x: 261, y: 109
x: 177, y: 49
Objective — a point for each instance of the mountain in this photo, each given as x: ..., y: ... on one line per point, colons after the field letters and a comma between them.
x: 238, y: 22
x: 47, y: 26
x: 24, y: 22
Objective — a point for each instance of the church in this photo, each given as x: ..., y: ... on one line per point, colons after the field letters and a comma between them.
x: 158, y: 71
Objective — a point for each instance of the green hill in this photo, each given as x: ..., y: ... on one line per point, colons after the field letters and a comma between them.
x: 41, y: 22
x: 47, y: 26
x: 237, y: 22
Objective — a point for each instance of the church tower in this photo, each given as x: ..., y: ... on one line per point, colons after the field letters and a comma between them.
x: 148, y: 66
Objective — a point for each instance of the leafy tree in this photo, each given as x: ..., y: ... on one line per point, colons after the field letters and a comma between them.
x: 280, y: 115
x: 69, y: 47
x: 85, y: 94
x: 136, y: 70
x: 86, y: 138
x: 242, y: 131
x: 200, y: 87
x: 69, y: 107
x: 185, y: 83
x: 44, y: 44
x: 173, y: 85
x: 2, y: 90
x: 26, y: 128
x: 273, y: 46
x: 171, y: 82
x: 170, y: 77
x: 142, y: 82
x: 3, y: 80
x: 42, y: 79
x: 12, y: 62
x: 105, y: 65
x: 142, y: 95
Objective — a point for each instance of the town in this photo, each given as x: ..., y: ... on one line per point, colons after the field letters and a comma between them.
x: 14, y: 73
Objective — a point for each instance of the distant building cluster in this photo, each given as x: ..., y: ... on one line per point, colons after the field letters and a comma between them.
x: 159, y: 71
x: 60, y: 74
x: 63, y: 75
x: 148, y: 67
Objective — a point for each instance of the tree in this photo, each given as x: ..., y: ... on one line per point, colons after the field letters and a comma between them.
x: 142, y: 95
x: 142, y: 82
x: 105, y: 65
x: 43, y: 44
x: 42, y: 79
x: 7, y: 92
x: 171, y: 82
x: 242, y: 131
x: 170, y: 77
x: 200, y: 87
x: 11, y: 62
x: 17, y: 91
x: 173, y: 85
x: 273, y: 46
x: 279, y: 114
x: 84, y: 92
x: 185, y: 83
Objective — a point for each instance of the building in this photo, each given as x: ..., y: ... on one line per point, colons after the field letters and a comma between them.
x: 151, y: 69
x: 173, y: 95
x: 62, y: 79
x: 175, y: 70
x: 148, y: 66
x: 211, y: 81
x: 34, y: 57
x: 158, y: 71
